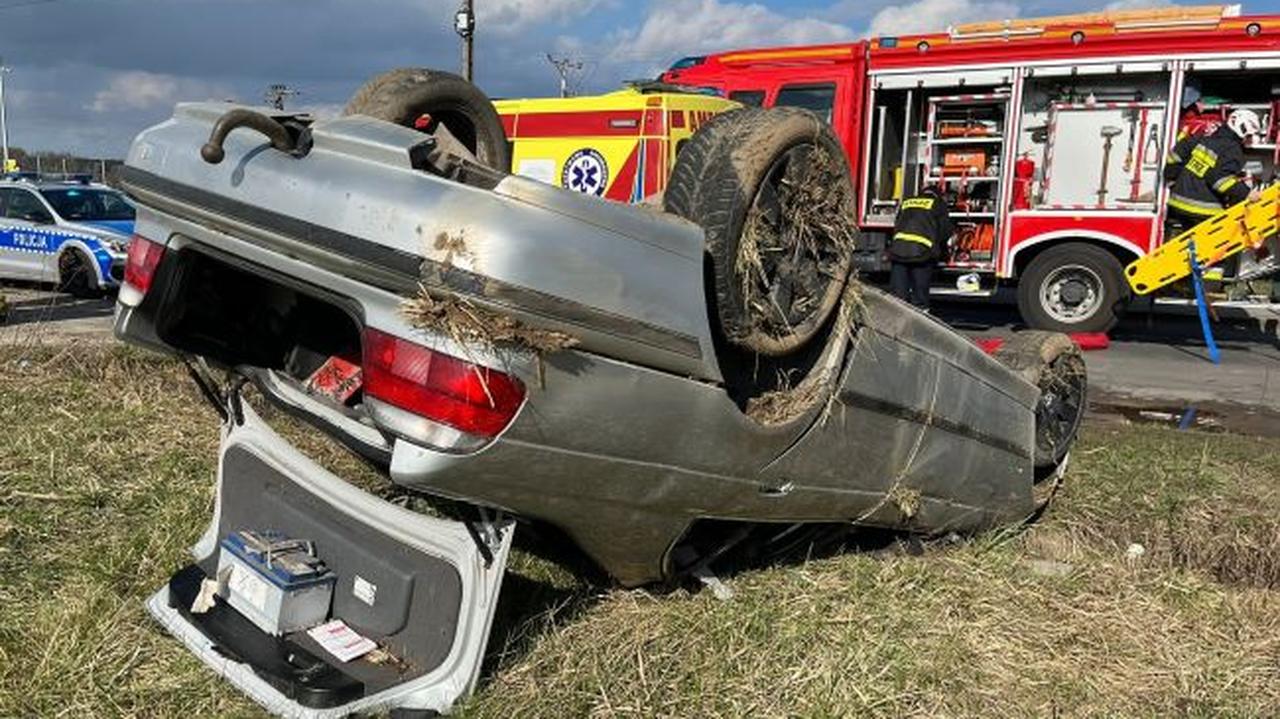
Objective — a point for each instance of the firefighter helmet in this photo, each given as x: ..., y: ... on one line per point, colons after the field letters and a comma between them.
x: 1244, y: 123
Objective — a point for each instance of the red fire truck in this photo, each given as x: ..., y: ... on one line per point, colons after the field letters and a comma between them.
x: 1049, y: 136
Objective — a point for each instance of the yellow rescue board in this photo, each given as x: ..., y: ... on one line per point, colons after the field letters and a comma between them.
x: 1235, y: 229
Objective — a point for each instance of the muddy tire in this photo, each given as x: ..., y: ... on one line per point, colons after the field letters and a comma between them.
x: 76, y: 276
x: 1074, y: 287
x: 694, y: 161
x: 404, y: 95
x: 1053, y: 363
x: 772, y: 191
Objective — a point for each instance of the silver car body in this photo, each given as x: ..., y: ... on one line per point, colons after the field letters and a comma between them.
x: 627, y: 440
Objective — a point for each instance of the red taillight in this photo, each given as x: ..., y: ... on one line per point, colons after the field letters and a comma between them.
x: 444, y: 389
x: 140, y: 267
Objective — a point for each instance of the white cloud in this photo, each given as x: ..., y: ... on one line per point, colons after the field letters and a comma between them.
x: 141, y: 90
x: 937, y: 15
x: 137, y: 90
x: 675, y: 28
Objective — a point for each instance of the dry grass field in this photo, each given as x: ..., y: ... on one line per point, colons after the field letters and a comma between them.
x: 106, y: 478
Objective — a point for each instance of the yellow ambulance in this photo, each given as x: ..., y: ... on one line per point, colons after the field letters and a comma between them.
x: 621, y: 145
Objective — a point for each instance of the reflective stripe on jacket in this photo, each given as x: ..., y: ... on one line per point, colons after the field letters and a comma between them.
x: 1205, y: 173
x: 922, y: 229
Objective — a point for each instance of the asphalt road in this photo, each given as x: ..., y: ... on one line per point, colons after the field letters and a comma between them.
x: 1158, y: 362
x: 41, y: 317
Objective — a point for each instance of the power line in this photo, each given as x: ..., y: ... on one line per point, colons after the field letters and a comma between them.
x: 588, y: 74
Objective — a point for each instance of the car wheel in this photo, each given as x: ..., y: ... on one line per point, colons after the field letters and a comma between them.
x: 1073, y: 288
x: 1054, y: 364
x: 403, y: 96
x: 772, y: 191
x: 76, y: 276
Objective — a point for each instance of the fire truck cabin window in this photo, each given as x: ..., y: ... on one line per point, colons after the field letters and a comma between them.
x: 819, y: 98
x: 750, y: 98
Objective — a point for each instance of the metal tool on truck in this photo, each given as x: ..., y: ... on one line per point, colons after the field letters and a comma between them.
x: 663, y: 388
x: 1050, y: 134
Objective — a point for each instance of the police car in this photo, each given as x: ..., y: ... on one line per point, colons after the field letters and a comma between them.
x: 67, y: 231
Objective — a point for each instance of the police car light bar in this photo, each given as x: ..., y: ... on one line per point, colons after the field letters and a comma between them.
x: 82, y: 178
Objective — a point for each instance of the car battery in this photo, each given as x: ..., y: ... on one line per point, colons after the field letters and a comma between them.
x: 278, y: 583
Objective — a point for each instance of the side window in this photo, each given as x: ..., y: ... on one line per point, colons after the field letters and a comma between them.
x: 22, y: 205
x: 750, y: 98
x: 4, y: 201
x: 819, y: 98
x: 114, y: 206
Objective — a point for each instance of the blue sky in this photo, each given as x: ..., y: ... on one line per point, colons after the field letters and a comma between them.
x: 89, y: 74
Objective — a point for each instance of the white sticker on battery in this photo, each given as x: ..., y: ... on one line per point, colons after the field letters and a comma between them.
x: 249, y: 587
x: 365, y: 590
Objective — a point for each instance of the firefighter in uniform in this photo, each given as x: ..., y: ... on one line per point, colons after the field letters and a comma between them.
x: 1205, y: 172
x: 920, y: 236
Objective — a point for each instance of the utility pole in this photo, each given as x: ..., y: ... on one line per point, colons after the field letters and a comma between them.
x: 464, y: 23
x: 564, y: 66
x: 4, y: 121
x: 276, y: 94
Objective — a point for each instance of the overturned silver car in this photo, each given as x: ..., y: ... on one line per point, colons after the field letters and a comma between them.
x: 659, y: 386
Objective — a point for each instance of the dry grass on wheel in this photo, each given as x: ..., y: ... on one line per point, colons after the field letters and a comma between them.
x: 815, y: 219
x: 788, y: 401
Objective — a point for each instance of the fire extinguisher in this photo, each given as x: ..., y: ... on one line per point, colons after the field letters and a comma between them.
x: 1024, y: 170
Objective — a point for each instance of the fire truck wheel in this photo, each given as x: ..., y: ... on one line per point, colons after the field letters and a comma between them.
x: 772, y: 191
x: 1053, y: 363
x: 405, y: 95
x: 1074, y: 287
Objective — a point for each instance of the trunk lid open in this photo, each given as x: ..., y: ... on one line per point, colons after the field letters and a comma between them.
x: 424, y: 589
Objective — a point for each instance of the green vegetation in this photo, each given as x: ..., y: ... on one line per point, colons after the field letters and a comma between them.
x: 105, y: 480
